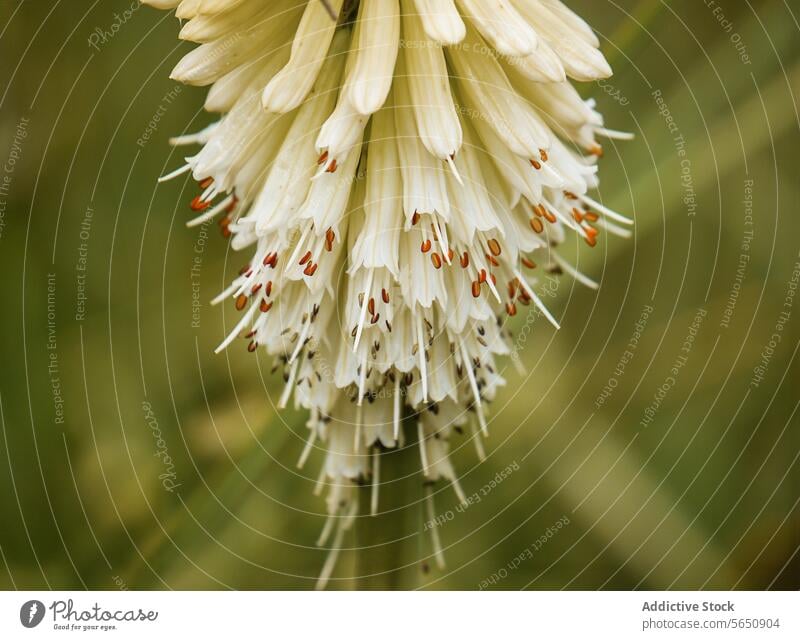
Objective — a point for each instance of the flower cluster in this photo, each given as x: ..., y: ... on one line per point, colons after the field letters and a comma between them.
x: 399, y: 171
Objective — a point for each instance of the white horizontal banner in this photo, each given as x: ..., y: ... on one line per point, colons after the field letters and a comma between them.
x: 401, y: 615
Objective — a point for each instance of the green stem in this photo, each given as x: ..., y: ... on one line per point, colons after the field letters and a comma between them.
x: 387, y: 542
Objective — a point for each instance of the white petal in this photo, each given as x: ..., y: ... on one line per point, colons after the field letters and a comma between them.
x: 310, y: 47
x: 376, y: 47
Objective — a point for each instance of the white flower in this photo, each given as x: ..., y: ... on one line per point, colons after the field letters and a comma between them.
x: 400, y: 171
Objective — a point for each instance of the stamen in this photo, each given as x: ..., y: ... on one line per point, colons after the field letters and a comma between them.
x: 451, y: 163
x: 198, y: 204
x: 614, y: 135
x: 200, y: 137
x: 363, y: 316
x: 440, y: 233
x: 462, y: 498
x: 320, y: 483
x: 423, y: 454
x: 227, y: 293
x: 376, y: 468
x: 612, y: 228
x: 396, y: 416
x: 551, y: 212
x: 300, y: 242
x: 437, y: 543
x: 287, y: 390
x: 307, y: 449
x: 467, y: 364
x: 362, y: 382
x: 605, y: 210
x: 178, y: 172
x: 212, y: 213
x: 326, y: 530
x: 243, y: 322
x: 330, y: 561
x: 478, y: 442
x: 210, y: 191
x: 300, y: 342
x: 566, y: 266
x: 536, y: 300
x: 423, y: 367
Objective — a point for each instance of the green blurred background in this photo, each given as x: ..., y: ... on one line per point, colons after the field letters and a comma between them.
x: 702, y: 494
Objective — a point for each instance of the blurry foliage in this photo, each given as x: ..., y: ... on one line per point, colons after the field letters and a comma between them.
x: 705, y: 495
